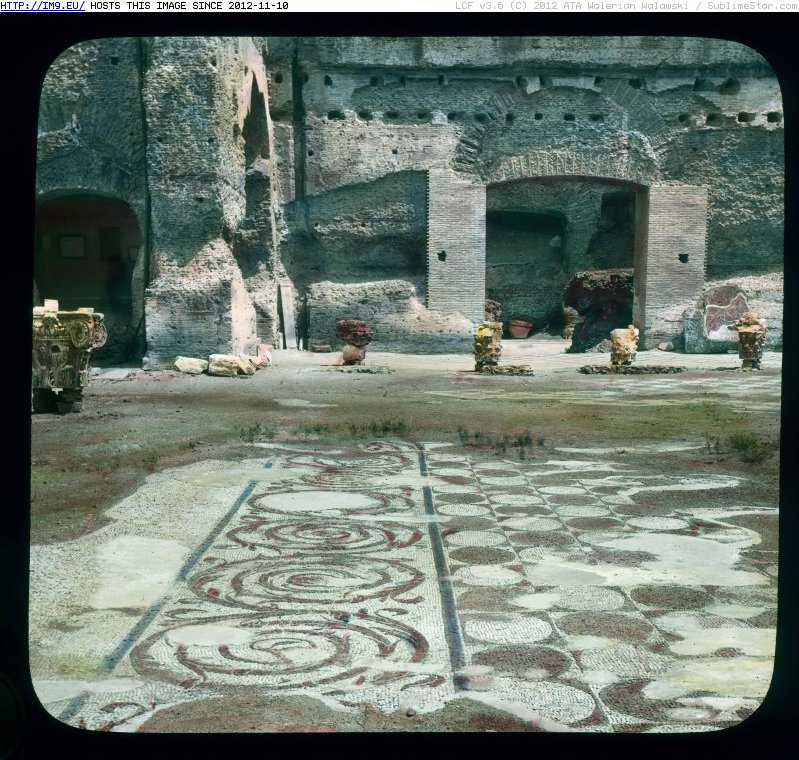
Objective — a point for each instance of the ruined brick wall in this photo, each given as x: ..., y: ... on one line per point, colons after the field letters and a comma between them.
x: 353, y: 127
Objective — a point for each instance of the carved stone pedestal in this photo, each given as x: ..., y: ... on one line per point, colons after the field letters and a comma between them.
x: 487, y: 344
x: 62, y: 343
x: 751, y: 340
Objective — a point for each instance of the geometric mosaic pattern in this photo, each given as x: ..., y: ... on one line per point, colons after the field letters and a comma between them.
x: 369, y: 575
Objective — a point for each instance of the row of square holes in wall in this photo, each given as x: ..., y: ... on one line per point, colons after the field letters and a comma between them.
x: 712, y: 119
x: 728, y: 87
x: 338, y: 115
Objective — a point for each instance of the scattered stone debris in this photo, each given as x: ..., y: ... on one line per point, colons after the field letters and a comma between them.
x: 623, y: 346
x: 230, y: 365
x: 190, y: 366
x: 666, y: 346
x: 364, y: 369
x: 626, y: 369
x: 321, y: 348
x: 507, y: 369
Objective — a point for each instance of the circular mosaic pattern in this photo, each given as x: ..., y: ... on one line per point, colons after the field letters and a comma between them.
x: 573, y: 499
x: 541, y: 538
x: 671, y: 597
x: 457, y: 472
x: 326, y: 503
x: 505, y: 630
x: 520, y: 660
x: 579, y: 511
x: 324, y: 535
x: 532, y: 523
x: 488, y: 575
x: 562, y: 490
x: 628, y: 698
x: 478, y: 555
x: 589, y: 598
x: 658, y: 523
x: 493, y: 472
x: 594, y: 523
x: 457, y: 480
x: 475, y: 538
x: 332, y: 466
x: 522, y: 511
x: 467, y: 497
x: 276, y: 650
x: 556, y: 701
x: 515, y: 499
x: 447, y: 458
x: 516, y: 480
x: 467, y: 510
x: 252, y: 585
x: 606, y: 625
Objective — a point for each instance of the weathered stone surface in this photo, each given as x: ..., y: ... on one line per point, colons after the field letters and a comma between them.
x: 623, y: 346
x: 224, y: 365
x: 666, y: 346
x: 191, y: 366
x: 246, y: 366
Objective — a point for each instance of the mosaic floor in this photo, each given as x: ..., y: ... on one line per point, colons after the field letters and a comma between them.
x: 374, y: 575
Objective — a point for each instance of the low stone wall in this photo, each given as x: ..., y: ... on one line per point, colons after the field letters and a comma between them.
x: 398, y: 320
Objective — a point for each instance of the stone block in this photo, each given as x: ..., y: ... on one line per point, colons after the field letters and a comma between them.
x: 224, y: 365
x: 191, y: 366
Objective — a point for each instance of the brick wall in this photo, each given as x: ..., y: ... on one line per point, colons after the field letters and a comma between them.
x: 677, y: 227
x: 456, y: 245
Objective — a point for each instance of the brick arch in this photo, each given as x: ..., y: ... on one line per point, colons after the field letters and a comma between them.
x: 561, y: 164
x: 637, y: 161
x: 669, y: 255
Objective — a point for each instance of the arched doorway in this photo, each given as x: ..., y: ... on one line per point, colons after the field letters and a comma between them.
x: 541, y: 231
x: 669, y: 249
x: 86, y: 250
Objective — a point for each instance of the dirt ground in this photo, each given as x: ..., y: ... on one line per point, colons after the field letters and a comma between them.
x: 81, y: 464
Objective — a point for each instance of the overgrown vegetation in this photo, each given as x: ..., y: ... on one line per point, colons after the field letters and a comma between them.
x: 746, y: 446
x: 257, y: 431
x: 749, y: 447
x: 376, y: 428
x: 501, y: 442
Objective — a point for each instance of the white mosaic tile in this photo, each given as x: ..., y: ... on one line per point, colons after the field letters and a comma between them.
x: 475, y: 538
x: 488, y: 575
x: 516, y: 630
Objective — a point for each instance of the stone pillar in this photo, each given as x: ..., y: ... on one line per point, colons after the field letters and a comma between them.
x: 456, y: 228
x: 670, y: 262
